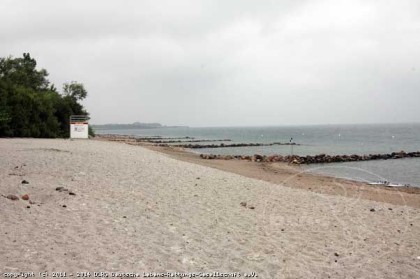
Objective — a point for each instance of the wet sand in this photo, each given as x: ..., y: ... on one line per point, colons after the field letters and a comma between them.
x: 296, y: 177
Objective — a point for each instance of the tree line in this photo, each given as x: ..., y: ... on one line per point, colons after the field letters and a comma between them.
x: 31, y: 106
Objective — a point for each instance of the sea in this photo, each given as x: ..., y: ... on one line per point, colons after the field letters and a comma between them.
x: 312, y: 140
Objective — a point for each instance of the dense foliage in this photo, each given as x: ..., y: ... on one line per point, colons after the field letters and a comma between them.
x: 30, y: 106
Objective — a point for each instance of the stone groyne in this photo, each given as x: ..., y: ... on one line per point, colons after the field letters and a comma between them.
x: 181, y: 141
x: 317, y: 159
x: 222, y: 145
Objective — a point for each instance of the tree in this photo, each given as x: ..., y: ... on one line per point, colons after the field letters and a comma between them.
x: 75, y: 90
x: 22, y: 72
x: 30, y: 106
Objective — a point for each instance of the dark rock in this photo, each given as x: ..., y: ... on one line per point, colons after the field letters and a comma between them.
x: 372, y: 210
x: 336, y: 254
x: 243, y: 204
x: 61, y: 189
x: 72, y: 194
x: 64, y: 205
x: 28, y: 206
x: 12, y: 197
x: 317, y: 159
x: 25, y: 182
x: 25, y: 197
x: 251, y: 207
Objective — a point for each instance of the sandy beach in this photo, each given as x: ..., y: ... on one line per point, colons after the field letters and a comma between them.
x: 100, y: 206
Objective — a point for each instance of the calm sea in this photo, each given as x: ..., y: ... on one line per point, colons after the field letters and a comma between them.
x: 328, y: 139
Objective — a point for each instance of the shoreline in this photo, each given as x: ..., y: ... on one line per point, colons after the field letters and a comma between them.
x: 89, y: 203
x: 292, y: 176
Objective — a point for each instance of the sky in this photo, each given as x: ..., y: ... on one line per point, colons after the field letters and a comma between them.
x: 227, y: 62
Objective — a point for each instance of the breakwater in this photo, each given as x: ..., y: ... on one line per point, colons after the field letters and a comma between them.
x: 223, y: 145
x: 181, y: 141
x: 317, y: 159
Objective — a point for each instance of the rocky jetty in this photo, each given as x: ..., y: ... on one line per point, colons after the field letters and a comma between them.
x: 317, y: 159
x: 163, y: 139
x: 116, y: 137
x: 181, y: 141
x: 222, y: 145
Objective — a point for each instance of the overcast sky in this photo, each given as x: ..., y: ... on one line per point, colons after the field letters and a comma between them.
x: 227, y: 62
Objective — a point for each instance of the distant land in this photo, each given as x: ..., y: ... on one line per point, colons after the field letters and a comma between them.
x: 135, y: 125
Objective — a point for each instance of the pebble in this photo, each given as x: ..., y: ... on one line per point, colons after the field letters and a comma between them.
x: 72, y: 194
x: 372, y: 210
x: 12, y: 197
x: 25, y: 197
x: 64, y: 205
x: 25, y: 182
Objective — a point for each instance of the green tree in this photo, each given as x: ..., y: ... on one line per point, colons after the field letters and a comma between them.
x: 30, y: 106
x: 75, y: 90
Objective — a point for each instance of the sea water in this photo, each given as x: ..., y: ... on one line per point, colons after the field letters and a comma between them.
x: 313, y: 140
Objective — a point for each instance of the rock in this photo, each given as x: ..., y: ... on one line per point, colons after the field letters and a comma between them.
x: 258, y: 157
x: 25, y: 197
x: 295, y: 162
x: 59, y: 188
x: 372, y: 210
x: 32, y: 202
x: 64, y: 205
x: 28, y: 206
x: 72, y: 194
x: 12, y: 197
x: 336, y: 254
x: 243, y: 204
x: 25, y: 182
x: 251, y: 207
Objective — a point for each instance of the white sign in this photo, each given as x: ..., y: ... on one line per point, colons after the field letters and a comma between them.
x: 79, y: 130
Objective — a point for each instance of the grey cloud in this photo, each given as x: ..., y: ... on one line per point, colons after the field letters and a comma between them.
x: 227, y: 62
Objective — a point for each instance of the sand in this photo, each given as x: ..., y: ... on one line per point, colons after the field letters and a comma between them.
x: 138, y: 210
